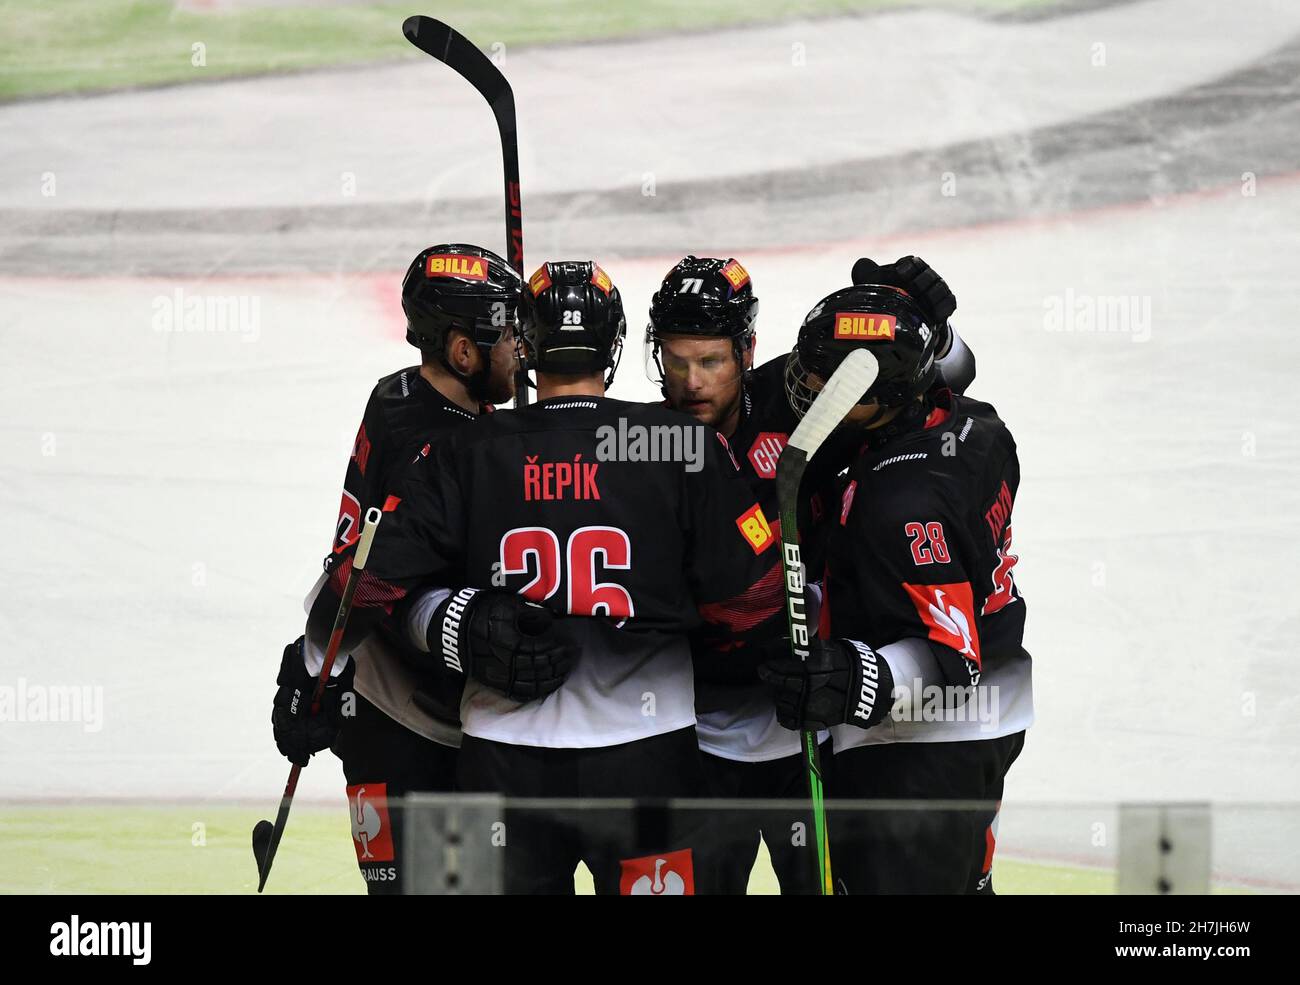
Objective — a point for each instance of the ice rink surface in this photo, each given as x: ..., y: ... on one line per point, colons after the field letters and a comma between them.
x: 1122, y: 239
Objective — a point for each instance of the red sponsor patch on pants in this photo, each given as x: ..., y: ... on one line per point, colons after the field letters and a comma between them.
x: 670, y: 874
x: 372, y: 834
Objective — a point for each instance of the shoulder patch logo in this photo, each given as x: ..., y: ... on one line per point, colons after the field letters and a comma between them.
x: 765, y: 451
x: 755, y: 529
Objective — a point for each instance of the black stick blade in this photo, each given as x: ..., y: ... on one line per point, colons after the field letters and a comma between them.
x: 450, y: 47
x: 262, y: 832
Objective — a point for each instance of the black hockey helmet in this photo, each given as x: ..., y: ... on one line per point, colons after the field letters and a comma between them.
x: 571, y: 319
x: 885, y: 320
x: 455, y: 285
x: 702, y: 296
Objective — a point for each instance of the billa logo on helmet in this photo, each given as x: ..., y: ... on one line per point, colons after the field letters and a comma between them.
x: 540, y: 280
x: 455, y: 265
x: 737, y: 276
x: 601, y: 279
x: 856, y: 325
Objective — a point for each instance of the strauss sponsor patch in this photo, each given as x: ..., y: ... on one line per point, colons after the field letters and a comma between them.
x: 670, y: 874
x: 372, y: 834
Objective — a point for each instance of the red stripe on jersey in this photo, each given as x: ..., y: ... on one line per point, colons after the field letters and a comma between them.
x: 762, y: 600
x: 361, y: 449
x: 391, y: 502
x: 371, y: 592
x: 846, y: 502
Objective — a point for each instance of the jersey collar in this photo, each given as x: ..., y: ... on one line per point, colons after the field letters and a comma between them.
x: 930, y: 412
x: 435, y: 396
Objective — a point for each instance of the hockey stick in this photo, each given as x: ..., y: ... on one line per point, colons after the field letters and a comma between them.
x: 266, y: 836
x: 454, y: 50
x: 851, y: 379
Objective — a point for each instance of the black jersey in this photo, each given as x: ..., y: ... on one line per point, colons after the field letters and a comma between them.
x: 924, y: 549
x: 565, y: 503
x: 736, y: 716
x: 403, y: 414
x: 766, y: 423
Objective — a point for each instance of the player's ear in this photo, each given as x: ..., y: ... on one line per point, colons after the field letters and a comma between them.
x: 461, y: 352
x: 748, y: 362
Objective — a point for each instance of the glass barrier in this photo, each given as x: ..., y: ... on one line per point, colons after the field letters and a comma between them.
x: 461, y: 843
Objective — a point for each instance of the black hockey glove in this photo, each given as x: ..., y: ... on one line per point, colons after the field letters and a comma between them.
x: 842, y: 681
x: 918, y: 279
x: 502, y: 640
x: 299, y: 733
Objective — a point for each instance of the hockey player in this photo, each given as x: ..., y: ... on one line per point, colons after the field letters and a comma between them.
x: 700, y: 346
x: 919, y: 672
x: 577, y: 503
x: 460, y: 303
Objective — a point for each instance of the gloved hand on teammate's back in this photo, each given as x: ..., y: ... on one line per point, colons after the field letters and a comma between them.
x: 503, y: 640
x: 298, y: 733
x: 921, y: 281
x: 840, y: 682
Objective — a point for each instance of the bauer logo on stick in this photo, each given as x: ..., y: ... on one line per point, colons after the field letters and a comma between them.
x: 855, y: 325
x: 755, y: 528
x: 453, y: 265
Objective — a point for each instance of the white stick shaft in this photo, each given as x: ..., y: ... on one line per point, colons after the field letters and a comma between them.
x: 851, y: 379
x: 373, y: 516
